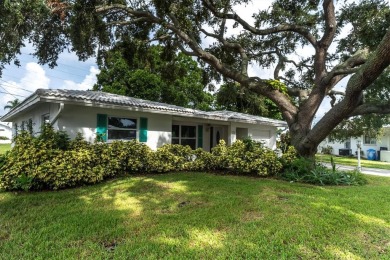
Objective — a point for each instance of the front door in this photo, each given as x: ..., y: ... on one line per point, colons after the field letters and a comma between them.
x: 216, y: 135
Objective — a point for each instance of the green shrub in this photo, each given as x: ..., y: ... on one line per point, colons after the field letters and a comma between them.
x: 22, y: 161
x: 3, y: 159
x: 120, y: 157
x: 137, y: 159
x: 52, y: 161
x: 289, y: 156
x: 54, y: 139
x: 204, y: 161
x: 70, y: 169
x: 251, y: 157
x: 220, y: 153
x: 79, y: 142
x: 162, y: 160
x: 285, y: 142
x: 170, y: 157
x: 306, y: 171
x: 4, y: 138
x: 327, y: 150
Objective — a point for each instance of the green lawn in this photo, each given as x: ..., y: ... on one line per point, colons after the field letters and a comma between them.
x: 352, y: 161
x: 196, y: 215
x: 4, y: 148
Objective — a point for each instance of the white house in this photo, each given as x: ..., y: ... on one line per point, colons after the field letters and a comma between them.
x: 350, y: 146
x: 117, y: 117
x: 5, y: 133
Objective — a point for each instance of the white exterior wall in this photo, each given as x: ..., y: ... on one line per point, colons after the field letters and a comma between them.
x: 83, y: 119
x: 36, y: 116
x: 77, y: 118
x: 262, y: 133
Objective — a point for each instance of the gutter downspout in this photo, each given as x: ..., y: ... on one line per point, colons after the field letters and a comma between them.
x: 58, y: 114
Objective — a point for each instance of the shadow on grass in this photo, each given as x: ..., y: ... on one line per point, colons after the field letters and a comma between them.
x: 195, y: 216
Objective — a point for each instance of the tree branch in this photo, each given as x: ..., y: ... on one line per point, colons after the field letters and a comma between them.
x: 257, y: 85
x: 330, y: 25
x: 234, y: 46
x: 281, y: 28
x: 372, y: 108
x: 130, y: 11
x: 302, y: 94
x: 332, y: 94
x: 376, y: 63
x: 346, y: 68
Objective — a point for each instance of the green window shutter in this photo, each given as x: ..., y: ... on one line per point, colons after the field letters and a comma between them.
x: 143, y: 130
x: 101, y: 127
x: 200, y: 136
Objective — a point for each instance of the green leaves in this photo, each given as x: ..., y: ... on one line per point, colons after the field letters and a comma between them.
x: 370, y: 20
x: 154, y: 73
x: 231, y: 96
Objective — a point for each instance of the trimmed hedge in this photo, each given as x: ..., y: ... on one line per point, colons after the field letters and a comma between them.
x: 52, y: 161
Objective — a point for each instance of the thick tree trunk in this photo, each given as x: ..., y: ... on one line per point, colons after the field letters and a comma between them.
x: 298, y: 134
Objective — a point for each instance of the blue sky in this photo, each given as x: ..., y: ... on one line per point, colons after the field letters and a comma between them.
x: 22, y: 81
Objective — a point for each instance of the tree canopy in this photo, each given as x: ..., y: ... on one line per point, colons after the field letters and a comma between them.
x: 231, y: 96
x: 311, y: 45
x: 143, y: 71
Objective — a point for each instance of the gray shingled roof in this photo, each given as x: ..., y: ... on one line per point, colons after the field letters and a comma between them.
x: 108, y: 98
x: 241, y: 116
x: 97, y: 97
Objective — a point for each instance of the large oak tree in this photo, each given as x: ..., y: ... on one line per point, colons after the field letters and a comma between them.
x: 350, y: 43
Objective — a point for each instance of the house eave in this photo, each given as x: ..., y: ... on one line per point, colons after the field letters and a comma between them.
x: 180, y: 112
x: 32, y: 100
x: 191, y: 113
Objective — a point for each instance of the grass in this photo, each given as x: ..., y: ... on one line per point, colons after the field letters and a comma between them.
x: 352, y: 161
x: 196, y: 215
x: 4, y: 148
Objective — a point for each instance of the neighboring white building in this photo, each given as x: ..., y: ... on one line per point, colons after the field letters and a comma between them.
x: 340, y: 148
x: 118, y: 117
x: 5, y: 132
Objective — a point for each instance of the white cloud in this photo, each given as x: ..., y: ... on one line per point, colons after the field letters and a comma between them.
x: 33, y: 78
x: 86, y: 84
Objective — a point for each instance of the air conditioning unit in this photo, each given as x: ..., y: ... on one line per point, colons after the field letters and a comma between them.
x: 345, y: 152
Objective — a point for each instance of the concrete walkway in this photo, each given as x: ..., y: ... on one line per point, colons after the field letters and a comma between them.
x: 365, y: 170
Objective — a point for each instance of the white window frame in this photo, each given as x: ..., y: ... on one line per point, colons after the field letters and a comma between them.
x: 186, y: 138
x: 136, y: 119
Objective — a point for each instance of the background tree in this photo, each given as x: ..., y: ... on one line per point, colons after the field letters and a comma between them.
x: 231, y: 96
x: 272, y: 39
x: 149, y: 72
x: 12, y: 104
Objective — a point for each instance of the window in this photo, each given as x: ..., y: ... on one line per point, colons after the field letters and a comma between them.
x: 45, y: 119
x: 184, y: 135
x: 120, y: 128
x: 369, y: 140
